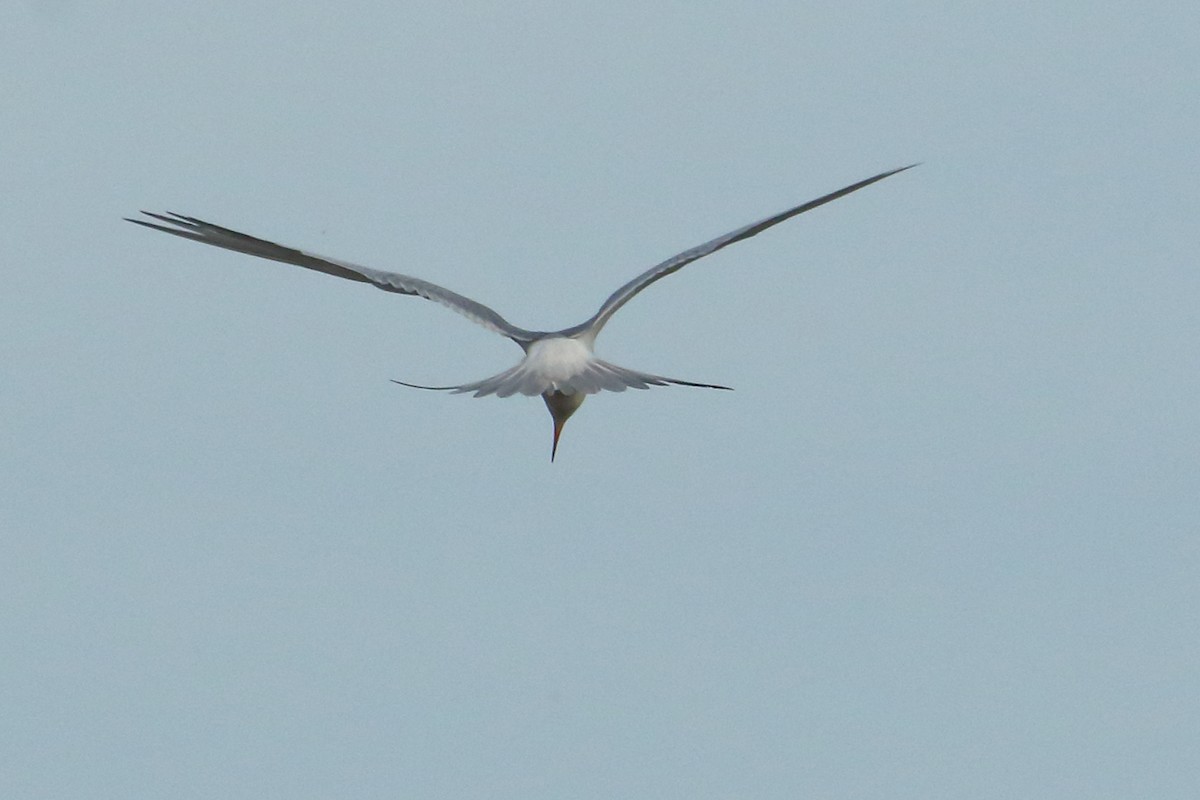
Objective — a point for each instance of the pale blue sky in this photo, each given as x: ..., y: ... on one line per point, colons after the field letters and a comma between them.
x: 940, y: 543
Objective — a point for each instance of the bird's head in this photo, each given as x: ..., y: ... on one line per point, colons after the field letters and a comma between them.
x: 561, y: 406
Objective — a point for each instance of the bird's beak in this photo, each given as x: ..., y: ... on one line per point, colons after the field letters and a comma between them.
x: 561, y: 407
x: 558, y: 426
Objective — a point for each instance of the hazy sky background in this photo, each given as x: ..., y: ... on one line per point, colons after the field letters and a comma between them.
x: 940, y: 543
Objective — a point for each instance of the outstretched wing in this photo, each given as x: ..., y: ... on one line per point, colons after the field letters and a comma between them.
x: 626, y: 293
x: 207, y: 233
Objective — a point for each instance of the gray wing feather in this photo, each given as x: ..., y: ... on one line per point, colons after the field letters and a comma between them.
x: 623, y: 295
x: 205, y: 232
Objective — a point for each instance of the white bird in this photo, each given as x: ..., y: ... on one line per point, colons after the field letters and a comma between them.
x: 559, y: 365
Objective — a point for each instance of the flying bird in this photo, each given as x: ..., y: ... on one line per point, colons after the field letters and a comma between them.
x: 561, y: 365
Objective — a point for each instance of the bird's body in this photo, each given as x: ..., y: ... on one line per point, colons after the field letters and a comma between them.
x: 561, y: 366
x: 556, y: 360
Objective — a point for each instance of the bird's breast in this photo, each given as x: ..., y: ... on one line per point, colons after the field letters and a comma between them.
x: 557, y: 359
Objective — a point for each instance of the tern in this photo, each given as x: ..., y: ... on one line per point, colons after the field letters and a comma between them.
x: 561, y: 366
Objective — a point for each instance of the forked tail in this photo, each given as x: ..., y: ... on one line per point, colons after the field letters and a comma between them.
x: 595, y: 376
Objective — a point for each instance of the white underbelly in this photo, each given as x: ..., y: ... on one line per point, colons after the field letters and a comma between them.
x: 558, y: 359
